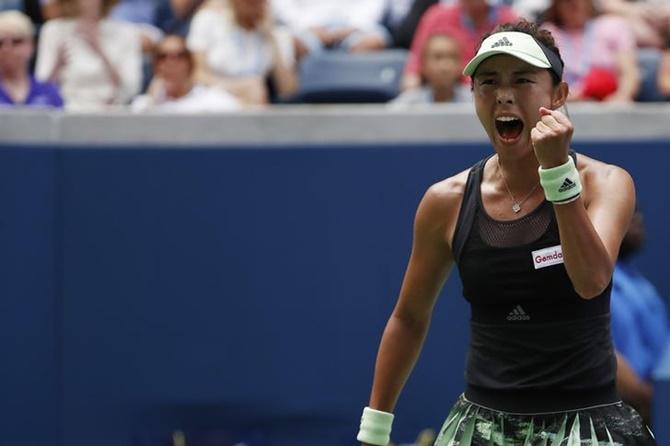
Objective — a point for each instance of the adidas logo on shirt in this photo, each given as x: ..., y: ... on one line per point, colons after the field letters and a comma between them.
x: 518, y: 314
x: 567, y: 185
x: 502, y: 42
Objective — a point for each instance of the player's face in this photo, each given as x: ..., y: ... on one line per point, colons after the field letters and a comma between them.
x: 508, y: 94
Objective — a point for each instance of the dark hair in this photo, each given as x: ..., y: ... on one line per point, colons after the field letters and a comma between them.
x: 542, y: 36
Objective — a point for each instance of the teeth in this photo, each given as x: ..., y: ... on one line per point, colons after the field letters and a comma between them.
x: 506, y: 118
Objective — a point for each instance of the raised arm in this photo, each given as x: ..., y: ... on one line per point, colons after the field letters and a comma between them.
x: 593, y: 224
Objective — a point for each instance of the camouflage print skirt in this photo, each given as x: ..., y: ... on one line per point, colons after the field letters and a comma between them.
x: 469, y: 424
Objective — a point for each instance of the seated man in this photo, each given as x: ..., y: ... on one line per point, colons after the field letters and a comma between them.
x: 17, y: 86
x: 639, y: 324
x: 353, y: 25
x: 172, y: 90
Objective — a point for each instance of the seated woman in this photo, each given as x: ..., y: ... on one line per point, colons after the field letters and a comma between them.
x: 17, y: 86
x: 238, y: 48
x: 599, y: 51
x: 96, y: 61
x: 172, y: 89
x: 466, y: 20
x: 440, y: 74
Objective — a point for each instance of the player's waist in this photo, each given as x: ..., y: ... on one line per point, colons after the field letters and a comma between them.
x: 535, y: 401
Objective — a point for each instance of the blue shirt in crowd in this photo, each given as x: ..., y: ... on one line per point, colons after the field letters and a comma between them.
x: 41, y: 94
x: 639, y: 320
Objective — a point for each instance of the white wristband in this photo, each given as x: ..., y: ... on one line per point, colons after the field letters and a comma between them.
x: 375, y: 427
x: 561, y: 184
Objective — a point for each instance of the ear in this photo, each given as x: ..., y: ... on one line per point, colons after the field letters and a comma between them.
x: 560, y: 95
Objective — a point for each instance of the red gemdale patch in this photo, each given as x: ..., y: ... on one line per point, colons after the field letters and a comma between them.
x: 547, y: 257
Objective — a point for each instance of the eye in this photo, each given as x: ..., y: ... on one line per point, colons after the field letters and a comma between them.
x: 524, y: 80
x: 486, y: 82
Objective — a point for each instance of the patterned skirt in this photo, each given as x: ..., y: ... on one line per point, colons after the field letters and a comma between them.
x: 469, y: 424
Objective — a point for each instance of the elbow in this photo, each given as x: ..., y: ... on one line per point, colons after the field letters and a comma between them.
x: 592, y: 288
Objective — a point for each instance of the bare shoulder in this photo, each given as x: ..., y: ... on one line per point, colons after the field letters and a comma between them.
x: 447, y: 193
x: 440, y: 205
x: 600, y: 178
x: 593, y: 170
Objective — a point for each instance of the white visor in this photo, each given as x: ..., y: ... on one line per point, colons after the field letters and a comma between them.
x: 517, y: 44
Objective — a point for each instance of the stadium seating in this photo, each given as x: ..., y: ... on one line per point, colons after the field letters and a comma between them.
x: 341, y: 77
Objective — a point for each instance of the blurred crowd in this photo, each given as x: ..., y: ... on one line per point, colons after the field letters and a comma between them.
x: 220, y: 55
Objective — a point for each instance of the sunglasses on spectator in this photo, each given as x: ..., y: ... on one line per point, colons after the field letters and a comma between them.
x: 171, y: 55
x: 13, y: 41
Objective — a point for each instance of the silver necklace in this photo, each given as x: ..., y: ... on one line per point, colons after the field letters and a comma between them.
x: 516, y: 205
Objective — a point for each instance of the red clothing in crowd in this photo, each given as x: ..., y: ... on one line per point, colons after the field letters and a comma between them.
x: 451, y: 19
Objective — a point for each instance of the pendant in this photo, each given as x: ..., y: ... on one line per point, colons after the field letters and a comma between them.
x: 516, y: 208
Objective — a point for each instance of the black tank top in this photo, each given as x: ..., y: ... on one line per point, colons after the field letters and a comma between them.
x: 535, y: 345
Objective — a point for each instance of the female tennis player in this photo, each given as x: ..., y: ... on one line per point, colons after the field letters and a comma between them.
x: 534, y: 230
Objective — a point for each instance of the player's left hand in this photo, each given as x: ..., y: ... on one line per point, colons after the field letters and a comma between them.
x: 551, y: 138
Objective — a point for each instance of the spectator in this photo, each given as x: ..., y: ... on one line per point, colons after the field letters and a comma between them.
x: 599, y: 52
x: 402, y: 18
x: 649, y: 19
x: 440, y: 74
x: 96, y: 61
x: 353, y: 25
x: 143, y: 15
x: 172, y: 88
x: 239, y: 49
x: 17, y: 86
x: 664, y: 72
x: 466, y: 20
x: 639, y: 323
x: 174, y: 16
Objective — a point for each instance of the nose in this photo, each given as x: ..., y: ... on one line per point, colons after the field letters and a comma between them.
x: 504, y: 96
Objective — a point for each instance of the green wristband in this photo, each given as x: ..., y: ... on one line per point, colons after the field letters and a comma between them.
x: 561, y: 184
x: 375, y: 427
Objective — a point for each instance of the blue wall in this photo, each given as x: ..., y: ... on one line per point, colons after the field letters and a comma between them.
x: 243, y: 288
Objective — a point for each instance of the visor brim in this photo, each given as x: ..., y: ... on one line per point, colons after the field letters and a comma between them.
x: 472, y: 66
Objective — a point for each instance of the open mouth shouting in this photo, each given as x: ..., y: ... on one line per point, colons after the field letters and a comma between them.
x: 509, y: 128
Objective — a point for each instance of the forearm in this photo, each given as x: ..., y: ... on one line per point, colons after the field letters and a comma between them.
x: 285, y: 79
x: 664, y: 74
x: 629, y: 78
x: 585, y: 257
x: 283, y: 75
x: 398, y: 352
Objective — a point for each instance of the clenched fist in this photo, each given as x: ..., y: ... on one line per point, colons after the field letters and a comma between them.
x: 551, y: 138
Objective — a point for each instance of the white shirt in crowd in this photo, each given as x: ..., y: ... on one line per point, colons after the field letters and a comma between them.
x: 300, y: 15
x: 84, y: 81
x: 231, y: 50
x: 201, y: 99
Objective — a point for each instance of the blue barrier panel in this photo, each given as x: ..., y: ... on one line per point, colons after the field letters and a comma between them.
x: 245, y: 280
x: 29, y: 364
x: 246, y: 289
